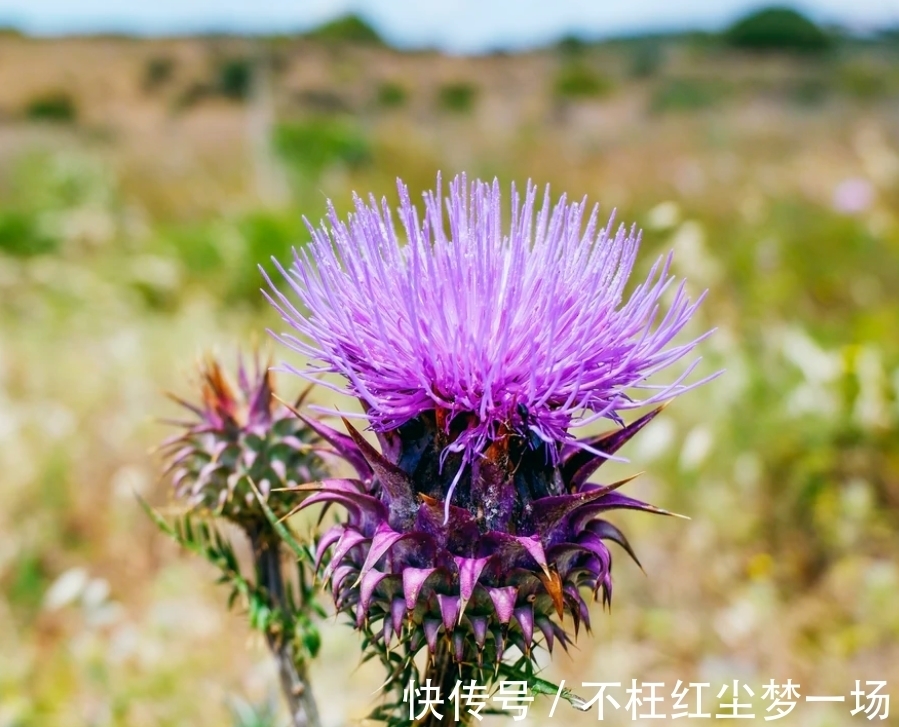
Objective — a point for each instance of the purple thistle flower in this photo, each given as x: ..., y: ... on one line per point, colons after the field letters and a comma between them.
x: 522, y: 327
x: 475, y: 347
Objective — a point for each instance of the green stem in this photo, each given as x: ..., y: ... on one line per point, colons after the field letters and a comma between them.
x: 444, y: 672
x: 292, y: 671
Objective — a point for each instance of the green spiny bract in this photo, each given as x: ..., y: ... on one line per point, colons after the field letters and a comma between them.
x: 242, y: 436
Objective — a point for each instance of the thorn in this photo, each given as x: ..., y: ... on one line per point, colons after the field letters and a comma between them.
x: 660, y: 511
x: 304, y: 394
x: 293, y: 409
x: 290, y: 514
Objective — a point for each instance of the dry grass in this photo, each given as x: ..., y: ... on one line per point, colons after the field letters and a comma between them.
x: 158, y: 203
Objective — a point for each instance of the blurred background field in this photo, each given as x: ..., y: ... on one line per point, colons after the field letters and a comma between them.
x: 142, y: 180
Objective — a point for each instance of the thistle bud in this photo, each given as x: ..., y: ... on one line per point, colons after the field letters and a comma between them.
x: 240, y: 434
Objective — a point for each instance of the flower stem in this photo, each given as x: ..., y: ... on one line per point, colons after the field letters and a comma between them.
x: 292, y: 671
x: 444, y: 672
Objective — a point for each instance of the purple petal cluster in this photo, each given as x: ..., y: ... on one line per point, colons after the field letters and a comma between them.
x: 520, y: 324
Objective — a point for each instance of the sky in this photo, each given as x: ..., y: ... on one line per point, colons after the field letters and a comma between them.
x: 460, y: 26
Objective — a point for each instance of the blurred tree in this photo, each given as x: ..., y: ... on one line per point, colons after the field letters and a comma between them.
x: 235, y: 78
x: 158, y: 71
x: 777, y: 28
x: 571, y: 45
x: 348, y: 29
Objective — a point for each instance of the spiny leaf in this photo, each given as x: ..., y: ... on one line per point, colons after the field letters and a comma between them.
x: 540, y: 686
x: 221, y: 556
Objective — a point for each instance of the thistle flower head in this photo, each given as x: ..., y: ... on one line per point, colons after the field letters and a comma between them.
x: 240, y: 432
x: 476, y: 346
x: 495, y: 328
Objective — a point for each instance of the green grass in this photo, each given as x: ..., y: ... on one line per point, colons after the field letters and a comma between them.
x: 55, y: 106
x: 313, y: 145
x: 867, y: 82
x: 576, y: 80
x: 458, y: 97
x: 392, y: 95
x: 687, y: 94
x: 21, y: 235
